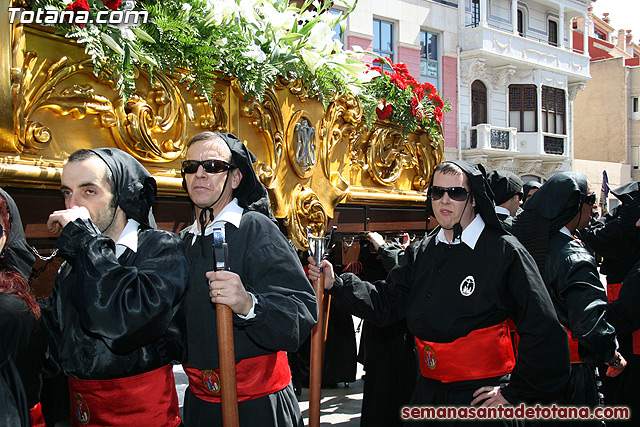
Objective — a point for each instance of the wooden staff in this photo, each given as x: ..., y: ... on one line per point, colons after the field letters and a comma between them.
x: 317, y: 347
x: 226, y: 345
x: 317, y: 246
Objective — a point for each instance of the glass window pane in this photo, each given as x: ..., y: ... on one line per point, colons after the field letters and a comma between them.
x: 385, y: 37
x: 529, y: 121
x: 514, y: 120
x: 376, y: 35
x: 432, y: 46
x: 560, y: 124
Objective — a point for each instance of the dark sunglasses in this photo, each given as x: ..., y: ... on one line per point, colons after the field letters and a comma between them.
x: 590, y: 199
x: 209, y: 166
x: 459, y: 194
x: 2, y: 230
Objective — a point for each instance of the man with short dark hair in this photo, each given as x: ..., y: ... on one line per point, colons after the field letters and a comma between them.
x: 457, y: 288
x: 273, y: 303
x: 115, y: 319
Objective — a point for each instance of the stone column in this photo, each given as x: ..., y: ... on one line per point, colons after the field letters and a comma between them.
x: 561, y: 27
x: 483, y: 13
x: 514, y: 16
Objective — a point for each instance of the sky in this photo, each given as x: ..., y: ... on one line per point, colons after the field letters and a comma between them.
x: 624, y: 14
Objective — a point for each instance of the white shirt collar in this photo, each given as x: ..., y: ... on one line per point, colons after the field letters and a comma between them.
x: 470, y: 235
x: 502, y: 210
x: 231, y: 213
x: 128, y: 238
x: 565, y: 230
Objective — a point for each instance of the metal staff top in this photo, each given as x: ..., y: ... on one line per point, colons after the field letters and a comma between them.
x: 220, y: 252
x: 319, y: 246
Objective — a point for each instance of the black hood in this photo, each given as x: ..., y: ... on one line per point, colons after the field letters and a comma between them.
x: 482, y: 194
x: 628, y: 193
x: 559, y: 199
x: 16, y: 253
x: 504, y: 185
x: 134, y: 186
x: 549, y: 209
x: 251, y: 194
x: 528, y: 186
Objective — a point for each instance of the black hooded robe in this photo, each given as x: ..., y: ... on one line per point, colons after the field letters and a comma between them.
x: 425, y: 289
x: 23, y: 340
x: 286, y: 312
x: 286, y: 308
x: 112, y: 317
x: 571, y: 277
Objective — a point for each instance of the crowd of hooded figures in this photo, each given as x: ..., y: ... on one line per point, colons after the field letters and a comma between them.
x: 500, y: 304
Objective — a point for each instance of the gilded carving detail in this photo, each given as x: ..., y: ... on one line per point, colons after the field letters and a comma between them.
x: 306, y: 210
x: 384, y: 153
x: 267, y: 118
x: 153, y: 126
x: 342, y: 122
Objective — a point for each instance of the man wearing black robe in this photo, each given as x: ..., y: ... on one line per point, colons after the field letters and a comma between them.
x: 274, y: 303
x: 616, y: 237
x: 461, y: 282
x: 115, y: 319
x: 545, y: 227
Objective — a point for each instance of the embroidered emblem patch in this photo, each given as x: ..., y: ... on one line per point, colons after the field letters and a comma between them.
x: 211, y: 381
x: 81, y: 409
x: 429, y: 356
x: 467, y: 286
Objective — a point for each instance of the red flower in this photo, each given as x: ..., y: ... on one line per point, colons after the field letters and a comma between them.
x: 411, y: 81
x: 413, y: 103
x: 437, y: 101
x: 112, y: 4
x: 419, y: 92
x: 399, y: 80
x: 385, y: 112
x: 400, y: 68
x: 437, y: 114
x: 428, y: 88
x: 76, y: 6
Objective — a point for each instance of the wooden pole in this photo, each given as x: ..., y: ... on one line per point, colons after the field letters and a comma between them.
x: 317, y: 347
x: 226, y: 355
x: 318, y: 246
x: 226, y: 344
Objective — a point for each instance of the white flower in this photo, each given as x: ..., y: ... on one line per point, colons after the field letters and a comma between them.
x: 367, y: 75
x: 111, y: 43
x: 254, y: 52
x: 313, y: 60
x: 321, y: 37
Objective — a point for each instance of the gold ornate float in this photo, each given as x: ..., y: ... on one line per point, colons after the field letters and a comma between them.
x: 310, y: 158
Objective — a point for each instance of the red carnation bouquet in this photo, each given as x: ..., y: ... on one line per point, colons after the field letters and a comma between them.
x: 404, y: 101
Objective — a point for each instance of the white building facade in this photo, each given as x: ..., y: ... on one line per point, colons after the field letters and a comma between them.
x: 519, y: 75
x: 507, y: 67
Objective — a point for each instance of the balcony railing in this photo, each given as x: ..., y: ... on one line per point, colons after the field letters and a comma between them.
x: 553, y: 145
x: 485, y: 136
x: 503, y: 47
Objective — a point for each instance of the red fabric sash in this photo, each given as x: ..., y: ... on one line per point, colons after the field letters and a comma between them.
x: 613, y: 291
x: 37, y: 419
x: 256, y: 377
x: 147, y: 399
x: 574, y: 355
x: 515, y: 338
x: 483, y: 353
